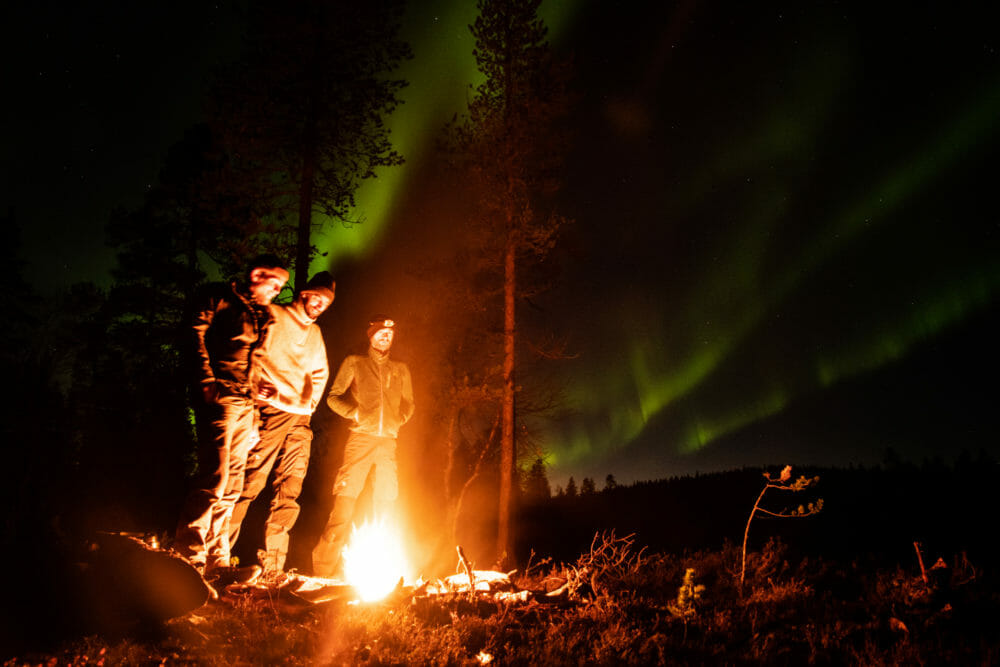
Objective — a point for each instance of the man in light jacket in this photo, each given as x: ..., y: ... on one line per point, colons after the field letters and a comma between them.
x: 293, y: 375
x: 376, y: 394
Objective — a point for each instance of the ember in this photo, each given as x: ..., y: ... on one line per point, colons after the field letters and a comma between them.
x: 374, y: 561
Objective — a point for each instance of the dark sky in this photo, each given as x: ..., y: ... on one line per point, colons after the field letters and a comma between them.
x: 786, y: 240
x: 97, y: 94
x: 789, y: 240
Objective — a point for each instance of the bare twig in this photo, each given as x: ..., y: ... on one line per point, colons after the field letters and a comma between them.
x: 468, y: 571
x: 920, y: 559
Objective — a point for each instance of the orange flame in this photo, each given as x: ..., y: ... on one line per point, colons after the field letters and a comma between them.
x: 374, y: 560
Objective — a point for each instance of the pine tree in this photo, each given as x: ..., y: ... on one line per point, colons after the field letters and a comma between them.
x: 510, y: 146
x: 303, y: 114
x: 537, y: 487
x: 571, y: 488
x: 610, y: 483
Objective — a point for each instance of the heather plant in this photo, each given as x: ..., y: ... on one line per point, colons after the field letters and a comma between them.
x: 782, y: 483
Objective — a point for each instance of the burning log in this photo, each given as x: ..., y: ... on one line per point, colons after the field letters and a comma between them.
x: 475, y: 581
x: 475, y: 587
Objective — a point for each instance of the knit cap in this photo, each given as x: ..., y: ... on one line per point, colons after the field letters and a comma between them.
x: 322, y: 283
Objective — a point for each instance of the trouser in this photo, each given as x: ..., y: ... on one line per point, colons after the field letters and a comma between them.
x: 225, y: 428
x: 363, y: 454
x: 328, y: 551
x: 285, y: 440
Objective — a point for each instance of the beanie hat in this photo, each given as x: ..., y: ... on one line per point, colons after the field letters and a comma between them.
x: 322, y: 283
x: 266, y: 261
x: 379, y: 322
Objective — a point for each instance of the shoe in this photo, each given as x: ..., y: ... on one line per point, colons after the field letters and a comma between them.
x: 274, y: 578
x: 224, y: 575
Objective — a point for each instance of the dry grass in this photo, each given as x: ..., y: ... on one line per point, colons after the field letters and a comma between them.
x: 614, y: 607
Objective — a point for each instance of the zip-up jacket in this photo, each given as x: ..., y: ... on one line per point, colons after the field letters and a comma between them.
x: 375, y: 393
x: 228, y: 331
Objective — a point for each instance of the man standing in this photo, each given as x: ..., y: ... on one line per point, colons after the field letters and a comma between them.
x: 376, y: 394
x: 228, y: 332
x: 293, y: 374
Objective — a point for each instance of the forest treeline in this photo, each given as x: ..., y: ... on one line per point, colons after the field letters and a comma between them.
x: 873, y: 513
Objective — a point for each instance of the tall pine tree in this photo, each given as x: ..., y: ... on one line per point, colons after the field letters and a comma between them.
x: 510, y: 144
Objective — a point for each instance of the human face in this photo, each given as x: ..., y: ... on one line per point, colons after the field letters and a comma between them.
x: 381, y: 340
x: 314, y: 304
x: 266, y: 283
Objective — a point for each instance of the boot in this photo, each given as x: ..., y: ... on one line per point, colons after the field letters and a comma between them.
x: 224, y: 575
x: 273, y: 563
x: 326, y: 557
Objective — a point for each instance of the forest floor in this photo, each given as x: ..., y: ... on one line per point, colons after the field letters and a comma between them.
x: 615, y: 605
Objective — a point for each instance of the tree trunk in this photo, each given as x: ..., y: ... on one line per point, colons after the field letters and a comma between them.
x: 507, y: 420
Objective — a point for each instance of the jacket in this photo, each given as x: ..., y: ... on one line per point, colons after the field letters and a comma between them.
x: 294, y: 361
x: 376, y: 394
x: 228, y: 332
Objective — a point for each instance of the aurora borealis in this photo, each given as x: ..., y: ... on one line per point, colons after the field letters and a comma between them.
x: 805, y: 214
x: 785, y: 246
x: 439, y: 77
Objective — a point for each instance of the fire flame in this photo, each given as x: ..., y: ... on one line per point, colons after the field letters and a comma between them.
x: 374, y: 561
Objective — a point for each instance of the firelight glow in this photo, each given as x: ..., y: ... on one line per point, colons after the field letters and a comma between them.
x: 374, y: 560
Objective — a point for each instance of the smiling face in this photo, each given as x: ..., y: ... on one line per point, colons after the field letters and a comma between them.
x: 266, y: 283
x: 314, y: 304
x: 381, y: 340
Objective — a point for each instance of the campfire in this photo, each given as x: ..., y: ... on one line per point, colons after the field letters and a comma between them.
x: 374, y: 561
x: 376, y: 569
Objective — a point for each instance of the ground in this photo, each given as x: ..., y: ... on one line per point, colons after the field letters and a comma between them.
x: 616, y: 604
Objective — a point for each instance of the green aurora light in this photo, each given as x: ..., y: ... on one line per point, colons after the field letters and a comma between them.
x: 734, y: 296
x: 439, y: 76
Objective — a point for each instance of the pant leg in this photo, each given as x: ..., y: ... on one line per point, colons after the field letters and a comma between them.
x: 385, y: 489
x: 289, y: 473
x: 239, y: 426
x: 214, y: 441
x: 326, y: 556
x: 360, y: 454
x: 273, y: 428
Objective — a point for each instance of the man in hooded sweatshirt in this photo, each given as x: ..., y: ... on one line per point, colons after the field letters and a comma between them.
x: 293, y: 375
x: 375, y: 394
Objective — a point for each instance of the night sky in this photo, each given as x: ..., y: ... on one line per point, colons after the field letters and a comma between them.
x: 786, y: 236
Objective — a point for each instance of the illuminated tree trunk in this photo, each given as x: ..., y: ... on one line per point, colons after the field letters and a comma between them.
x: 507, y: 430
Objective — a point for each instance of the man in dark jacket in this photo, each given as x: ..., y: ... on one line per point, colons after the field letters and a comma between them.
x: 227, y: 331
x: 376, y: 395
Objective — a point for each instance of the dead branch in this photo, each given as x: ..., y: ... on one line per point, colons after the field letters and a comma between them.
x: 475, y: 474
x: 468, y: 570
x: 920, y: 560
